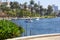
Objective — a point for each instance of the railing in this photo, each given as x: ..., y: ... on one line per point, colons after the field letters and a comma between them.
x: 39, y: 37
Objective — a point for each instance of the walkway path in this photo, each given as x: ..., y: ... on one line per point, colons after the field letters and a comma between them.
x: 39, y: 37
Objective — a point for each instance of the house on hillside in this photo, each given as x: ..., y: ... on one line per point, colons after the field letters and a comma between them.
x: 3, y: 15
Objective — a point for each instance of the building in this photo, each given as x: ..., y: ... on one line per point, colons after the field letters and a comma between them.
x: 55, y: 8
x: 7, y: 2
x: 3, y: 14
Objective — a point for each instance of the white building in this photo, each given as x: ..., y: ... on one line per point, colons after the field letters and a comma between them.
x: 5, y: 2
x: 55, y: 8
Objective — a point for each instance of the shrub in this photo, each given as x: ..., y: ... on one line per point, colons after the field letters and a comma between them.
x: 9, y: 29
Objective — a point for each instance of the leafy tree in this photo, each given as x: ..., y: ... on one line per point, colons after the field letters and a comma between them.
x: 3, y: 7
x: 45, y: 11
x: 35, y: 5
x: 41, y: 10
x: 16, y: 9
x: 49, y: 10
x: 9, y: 29
x: 21, y: 13
x: 14, y: 5
x: 37, y: 8
x: 25, y: 5
x: 11, y: 13
x: 32, y: 2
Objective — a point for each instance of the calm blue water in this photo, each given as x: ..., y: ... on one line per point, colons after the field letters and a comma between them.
x: 41, y: 26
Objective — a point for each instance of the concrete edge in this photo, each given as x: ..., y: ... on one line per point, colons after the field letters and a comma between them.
x: 35, y: 36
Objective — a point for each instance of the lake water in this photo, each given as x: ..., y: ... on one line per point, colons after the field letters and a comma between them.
x: 41, y: 26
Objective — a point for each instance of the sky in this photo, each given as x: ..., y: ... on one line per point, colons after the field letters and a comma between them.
x: 44, y: 3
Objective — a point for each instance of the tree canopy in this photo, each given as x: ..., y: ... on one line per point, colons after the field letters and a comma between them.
x: 9, y: 29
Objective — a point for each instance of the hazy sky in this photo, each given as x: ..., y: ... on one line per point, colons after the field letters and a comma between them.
x: 45, y: 3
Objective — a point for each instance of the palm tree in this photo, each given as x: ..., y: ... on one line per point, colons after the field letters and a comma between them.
x: 45, y: 11
x: 36, y: 8
x: 32, y: 4
x: 49, y: 10
x: 41, y: 10
x: 25, y: 5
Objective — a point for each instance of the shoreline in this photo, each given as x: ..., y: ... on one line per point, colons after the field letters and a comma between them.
x: 11, y: 18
